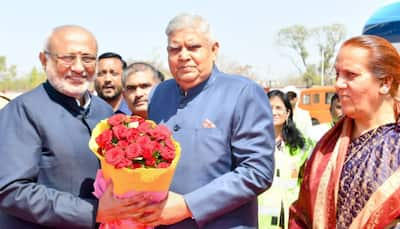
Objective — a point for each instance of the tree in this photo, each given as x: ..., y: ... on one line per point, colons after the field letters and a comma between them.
x: 34, y: 78
x: 310, y: 76
x: 7, y: 74
x: 10, y: 81
x: 233, y: 67
x: 295, y: 38
x: 301, y: 40
x: 328, y: 38
x: 3, y: 64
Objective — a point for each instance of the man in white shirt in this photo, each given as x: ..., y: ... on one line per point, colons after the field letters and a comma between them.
x: 301, y: 118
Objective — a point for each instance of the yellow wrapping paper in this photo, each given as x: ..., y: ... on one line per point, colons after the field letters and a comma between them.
x: 140, y: 179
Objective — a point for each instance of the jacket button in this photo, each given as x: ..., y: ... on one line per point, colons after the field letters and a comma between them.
x: 176, y: 127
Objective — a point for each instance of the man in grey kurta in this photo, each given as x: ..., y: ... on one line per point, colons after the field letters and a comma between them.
x: 47, y: 169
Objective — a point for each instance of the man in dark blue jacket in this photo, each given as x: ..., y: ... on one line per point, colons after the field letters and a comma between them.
x: 225, y: 127
x: 47, y: 170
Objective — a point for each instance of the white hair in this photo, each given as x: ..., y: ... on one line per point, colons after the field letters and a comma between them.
x: 185, y: 21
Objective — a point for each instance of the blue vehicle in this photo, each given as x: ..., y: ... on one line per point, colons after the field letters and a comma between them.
x: 385, y: 22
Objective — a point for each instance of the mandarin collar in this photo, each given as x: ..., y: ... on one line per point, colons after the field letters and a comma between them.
x: 68, y: 102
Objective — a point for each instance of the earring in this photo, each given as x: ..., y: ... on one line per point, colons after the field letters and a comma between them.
x: 384, y: 89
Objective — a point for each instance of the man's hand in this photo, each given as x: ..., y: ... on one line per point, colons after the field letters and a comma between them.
x: 172, y: 210
x: 112, y: 208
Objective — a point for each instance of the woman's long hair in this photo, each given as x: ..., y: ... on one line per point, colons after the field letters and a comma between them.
x: 290, y: 134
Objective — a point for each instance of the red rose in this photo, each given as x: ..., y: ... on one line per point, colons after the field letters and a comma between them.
x: 120, y: 132
x: 169, y: 144
x: 159, y: 133
x: 123, y: 144
x: 163, y: 165
x: 147, y: 155
x: 104, y: 140
x: 133, y: 142
x: 117, y: 119
x: 114, y: 156
x: 151, y: 162
x: 133, y: 151
x: 144, y: 127
x: 124, y: 163
x: 167, y: 154
x: 147, y: 146
x: 132, y: 134
x: 136, y: 165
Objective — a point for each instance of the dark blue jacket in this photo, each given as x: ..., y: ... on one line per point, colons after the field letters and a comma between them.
x: 225, y: 129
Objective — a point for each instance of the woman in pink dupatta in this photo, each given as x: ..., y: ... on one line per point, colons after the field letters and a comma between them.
x: 352, y: 179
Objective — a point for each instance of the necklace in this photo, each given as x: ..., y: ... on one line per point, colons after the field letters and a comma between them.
x: 350, y: 154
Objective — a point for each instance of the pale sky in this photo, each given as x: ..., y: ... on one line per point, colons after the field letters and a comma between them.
x: 135, y: 29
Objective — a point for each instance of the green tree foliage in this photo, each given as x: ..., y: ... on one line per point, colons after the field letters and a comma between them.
x: 295, y: 38
x: 310, y: 76
x: 10, y: 82
x: 3, y: 64
x: 7, y: 74
x: 34, y: 78
x: 301, y: 41
x: 328, y: 39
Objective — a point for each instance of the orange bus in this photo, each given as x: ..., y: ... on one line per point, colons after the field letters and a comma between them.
x: 317, y: 100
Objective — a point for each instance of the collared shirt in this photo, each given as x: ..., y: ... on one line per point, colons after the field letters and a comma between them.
x: 87, y: 100
x: 123, y: 108
x: 225, y: 129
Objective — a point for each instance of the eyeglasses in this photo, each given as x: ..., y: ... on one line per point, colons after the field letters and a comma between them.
x: 69, y: 59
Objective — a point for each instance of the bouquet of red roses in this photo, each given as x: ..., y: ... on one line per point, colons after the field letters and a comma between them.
x: 136, y: 154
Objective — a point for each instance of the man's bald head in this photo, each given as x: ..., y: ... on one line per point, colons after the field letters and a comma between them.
x: 59, y: 34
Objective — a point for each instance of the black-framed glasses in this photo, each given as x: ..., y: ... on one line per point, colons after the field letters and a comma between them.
x: 69, y: 59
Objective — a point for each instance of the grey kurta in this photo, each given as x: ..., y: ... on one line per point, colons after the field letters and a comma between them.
x: 47, y: 169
